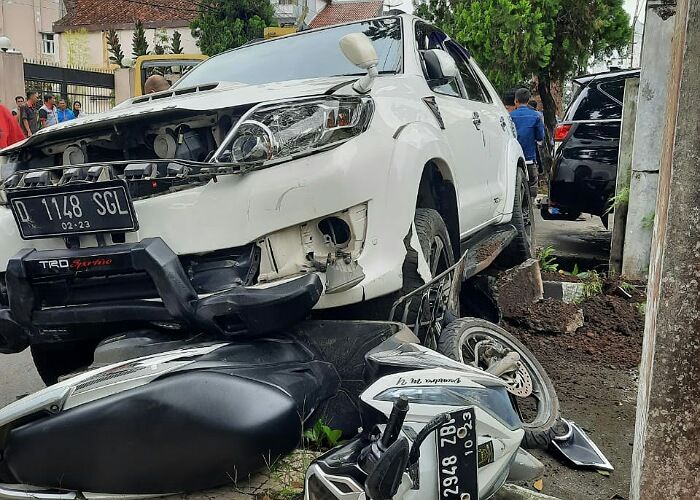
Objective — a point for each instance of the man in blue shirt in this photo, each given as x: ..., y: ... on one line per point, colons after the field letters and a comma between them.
x: 530, y: 127
x: 63, y: 113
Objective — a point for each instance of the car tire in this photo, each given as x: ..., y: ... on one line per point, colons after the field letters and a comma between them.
x: 436, y: 245
x: 54, y: 360
x: 523, y: 245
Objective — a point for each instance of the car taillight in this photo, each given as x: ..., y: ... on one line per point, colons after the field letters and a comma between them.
x: 562, y: 131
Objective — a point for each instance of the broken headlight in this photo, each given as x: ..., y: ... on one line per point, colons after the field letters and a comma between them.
x: 279, y: 132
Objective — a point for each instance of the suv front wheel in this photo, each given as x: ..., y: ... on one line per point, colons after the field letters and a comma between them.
x: 523, y: 246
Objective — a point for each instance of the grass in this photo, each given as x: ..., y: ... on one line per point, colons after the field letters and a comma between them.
x: 648, y: 221
x: 592, y: 285
x: 641, y: 308
x: 548, y: 262
x: 620, y: 199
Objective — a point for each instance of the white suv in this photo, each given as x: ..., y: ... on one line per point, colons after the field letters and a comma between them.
x: 276, y: 174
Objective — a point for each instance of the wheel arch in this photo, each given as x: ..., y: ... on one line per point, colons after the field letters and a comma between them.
x: 436, y: 190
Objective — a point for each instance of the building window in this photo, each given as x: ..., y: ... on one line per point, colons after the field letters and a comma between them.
x: 48, y: 44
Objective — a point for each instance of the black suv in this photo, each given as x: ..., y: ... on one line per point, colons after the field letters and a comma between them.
x: 588, y: 140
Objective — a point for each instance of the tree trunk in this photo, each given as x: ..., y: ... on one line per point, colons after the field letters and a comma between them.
x: 550, y: 107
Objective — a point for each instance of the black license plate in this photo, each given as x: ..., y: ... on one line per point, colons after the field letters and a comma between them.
x: 457, y: 455
x: 77, y: 209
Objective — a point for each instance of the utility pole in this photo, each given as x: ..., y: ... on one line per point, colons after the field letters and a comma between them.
x: 666, y: 460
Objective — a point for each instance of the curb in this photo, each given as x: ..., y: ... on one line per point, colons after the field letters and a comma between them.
x: 513, y: 492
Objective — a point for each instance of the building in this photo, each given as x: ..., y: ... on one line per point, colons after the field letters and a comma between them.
x: 29, y: 26
x: 82, y: 30
x: 338, y: 12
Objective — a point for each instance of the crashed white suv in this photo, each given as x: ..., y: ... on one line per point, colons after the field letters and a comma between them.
x: 298, y: 172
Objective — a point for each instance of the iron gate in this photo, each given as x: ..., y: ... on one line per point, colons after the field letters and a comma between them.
x: 93, y: 88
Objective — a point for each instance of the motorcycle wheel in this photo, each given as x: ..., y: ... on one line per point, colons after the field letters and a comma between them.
x: 457, y: 341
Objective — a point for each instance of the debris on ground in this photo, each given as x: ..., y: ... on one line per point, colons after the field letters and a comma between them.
x: 548, y: 316
x: 594, y: 371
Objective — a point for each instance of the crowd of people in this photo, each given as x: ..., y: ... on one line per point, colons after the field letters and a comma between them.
x: 27, y: 117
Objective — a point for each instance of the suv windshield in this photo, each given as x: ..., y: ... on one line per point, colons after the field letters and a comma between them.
x: 306, y: 55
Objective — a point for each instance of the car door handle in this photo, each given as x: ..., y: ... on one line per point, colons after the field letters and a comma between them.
x: 476, y: 120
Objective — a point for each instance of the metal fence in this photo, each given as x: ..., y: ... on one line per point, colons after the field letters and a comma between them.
x: 94, y: 88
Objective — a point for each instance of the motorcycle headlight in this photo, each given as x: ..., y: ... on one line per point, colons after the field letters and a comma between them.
x: 283, y: 131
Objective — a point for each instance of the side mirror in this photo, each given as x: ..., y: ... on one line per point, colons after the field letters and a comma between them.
x: 439, y: 65
x: 358, y: 49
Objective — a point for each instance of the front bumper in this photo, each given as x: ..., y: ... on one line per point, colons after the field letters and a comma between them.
x: 167, y: 296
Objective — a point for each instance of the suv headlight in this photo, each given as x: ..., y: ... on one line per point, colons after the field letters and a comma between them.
x: 273, y: 133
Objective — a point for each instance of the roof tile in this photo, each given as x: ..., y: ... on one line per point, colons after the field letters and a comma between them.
x: 104, y: 14
x: 343, y: 12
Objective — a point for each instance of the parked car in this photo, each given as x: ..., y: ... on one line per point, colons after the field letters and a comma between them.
x: 588, y: 142
x: 276, y: 166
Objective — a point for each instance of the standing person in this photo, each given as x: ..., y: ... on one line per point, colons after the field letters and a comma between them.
x: 28, y: 116
x: 63, y: 113
x: 9, y: 128
x: 509, y: 100
x: 47, y: 113
x: 19, y: 102
x: 78, y: 109
x: 530, y: 129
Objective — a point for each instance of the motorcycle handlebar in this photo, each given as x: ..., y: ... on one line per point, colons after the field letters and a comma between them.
x: 396, y: 419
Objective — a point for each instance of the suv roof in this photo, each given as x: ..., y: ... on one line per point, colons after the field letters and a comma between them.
x: 586, y: 79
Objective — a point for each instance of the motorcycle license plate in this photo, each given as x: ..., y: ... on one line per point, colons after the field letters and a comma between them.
x: 457, y: 455
x: 73, y: 209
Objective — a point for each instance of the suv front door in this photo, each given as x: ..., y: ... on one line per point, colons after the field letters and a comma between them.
x: 465, y: 137
x: 494, y: 127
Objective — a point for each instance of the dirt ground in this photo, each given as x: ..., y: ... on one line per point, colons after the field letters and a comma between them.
x: 594, y: 371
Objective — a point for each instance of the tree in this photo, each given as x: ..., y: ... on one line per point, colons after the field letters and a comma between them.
x: 161, y: 41
x: 516, y: 39
x: 226, y: 24
x: 176, y: 45
x: 115, y: 48
x: 585, y: 29
x: 139, y: 42
x: 512, y: 38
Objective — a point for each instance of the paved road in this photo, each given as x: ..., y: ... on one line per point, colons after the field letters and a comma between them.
x: 585, y: 242
x: 17, y: 376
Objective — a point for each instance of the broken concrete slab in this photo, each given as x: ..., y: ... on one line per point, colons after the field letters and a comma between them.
x: 517, y: 286
x: 514, y: 492
x: 566, y: 291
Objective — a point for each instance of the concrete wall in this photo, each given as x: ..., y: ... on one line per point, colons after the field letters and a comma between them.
x: 11, y: 78
x: 24, y: 21
x: 91, y: 47
x: 646, y: 157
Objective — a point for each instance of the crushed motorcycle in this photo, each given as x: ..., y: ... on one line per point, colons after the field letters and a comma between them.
x: 157, y: 414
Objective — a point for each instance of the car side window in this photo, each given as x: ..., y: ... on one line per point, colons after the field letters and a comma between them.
x: 427, y: 38
x: 474, y: 88
x: 596, y: 102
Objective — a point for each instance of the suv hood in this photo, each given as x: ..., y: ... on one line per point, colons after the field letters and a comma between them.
x: 204, y: 97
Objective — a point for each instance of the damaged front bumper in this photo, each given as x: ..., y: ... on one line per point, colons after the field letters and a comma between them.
x: 158, y: 290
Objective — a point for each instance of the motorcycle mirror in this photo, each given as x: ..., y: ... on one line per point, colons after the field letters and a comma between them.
x: 384, y: 481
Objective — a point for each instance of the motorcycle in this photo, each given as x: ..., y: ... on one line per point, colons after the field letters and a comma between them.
x: 158, y: 414
x: 452, y: 433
